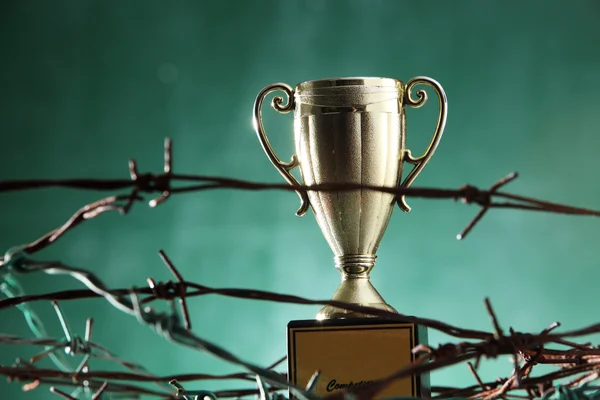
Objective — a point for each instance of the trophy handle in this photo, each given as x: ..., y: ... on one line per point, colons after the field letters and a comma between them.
x: 420, y: 162
x: 283, y: 167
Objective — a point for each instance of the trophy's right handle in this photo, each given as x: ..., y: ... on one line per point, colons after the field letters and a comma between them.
x: 283, y: 167
x: 420, y: 162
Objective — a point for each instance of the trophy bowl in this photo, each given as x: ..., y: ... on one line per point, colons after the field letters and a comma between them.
x: 351, y: 131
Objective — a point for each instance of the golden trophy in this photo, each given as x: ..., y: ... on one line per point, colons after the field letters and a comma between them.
x: 352, y: 131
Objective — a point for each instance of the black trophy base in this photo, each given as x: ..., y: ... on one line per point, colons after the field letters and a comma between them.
x: 355, y: 352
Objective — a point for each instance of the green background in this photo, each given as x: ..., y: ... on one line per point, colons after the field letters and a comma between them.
x: 85, y: 85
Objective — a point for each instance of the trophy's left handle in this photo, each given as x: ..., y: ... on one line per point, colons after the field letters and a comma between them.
x: 283, y: 167
x: 420, y: 162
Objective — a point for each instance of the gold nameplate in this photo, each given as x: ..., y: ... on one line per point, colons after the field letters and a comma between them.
x: 354, y: 352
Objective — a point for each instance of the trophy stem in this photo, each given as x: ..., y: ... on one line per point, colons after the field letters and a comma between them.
x: 355, y: 288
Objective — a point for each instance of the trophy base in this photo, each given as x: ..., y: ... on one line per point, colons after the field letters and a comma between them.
x: 358, y: 291
x: 350, y: 353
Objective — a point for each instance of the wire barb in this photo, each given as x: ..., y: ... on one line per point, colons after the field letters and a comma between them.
x: 95, y: 396
x: 182, y: 289
x: 181, y: 393
x: 163, y: 183
x: 484, y: 199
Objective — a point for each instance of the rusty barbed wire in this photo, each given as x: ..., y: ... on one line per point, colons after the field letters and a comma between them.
x: 527, y: 349
x: 26, y: 265
x: 580, y: 359
x: 490, y: 345
x: 34, y: 382
x: 24, y: 371
x: 163, y: 184
x: 167, y: 325
x: 20, y: 373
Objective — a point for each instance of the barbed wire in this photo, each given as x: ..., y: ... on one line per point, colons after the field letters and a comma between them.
x: 168, y: 325
x: 19, y: 373
x: 488, y: 345
x: 527, y: 349
x: 162, y: 183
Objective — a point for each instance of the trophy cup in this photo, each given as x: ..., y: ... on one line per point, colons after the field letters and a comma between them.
x: 352, y: 131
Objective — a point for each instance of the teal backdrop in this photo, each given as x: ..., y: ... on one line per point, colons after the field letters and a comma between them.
x: 86, y: 85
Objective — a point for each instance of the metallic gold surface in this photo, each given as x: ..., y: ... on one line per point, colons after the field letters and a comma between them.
x: 421, y: 161
x: 283, y: 167
x: 351, y: 130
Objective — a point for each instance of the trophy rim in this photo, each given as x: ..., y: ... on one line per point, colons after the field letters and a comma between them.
x: 349, y: 81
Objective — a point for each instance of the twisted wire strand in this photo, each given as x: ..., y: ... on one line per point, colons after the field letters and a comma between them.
x: 11, y: 288
x: 167, y: 325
